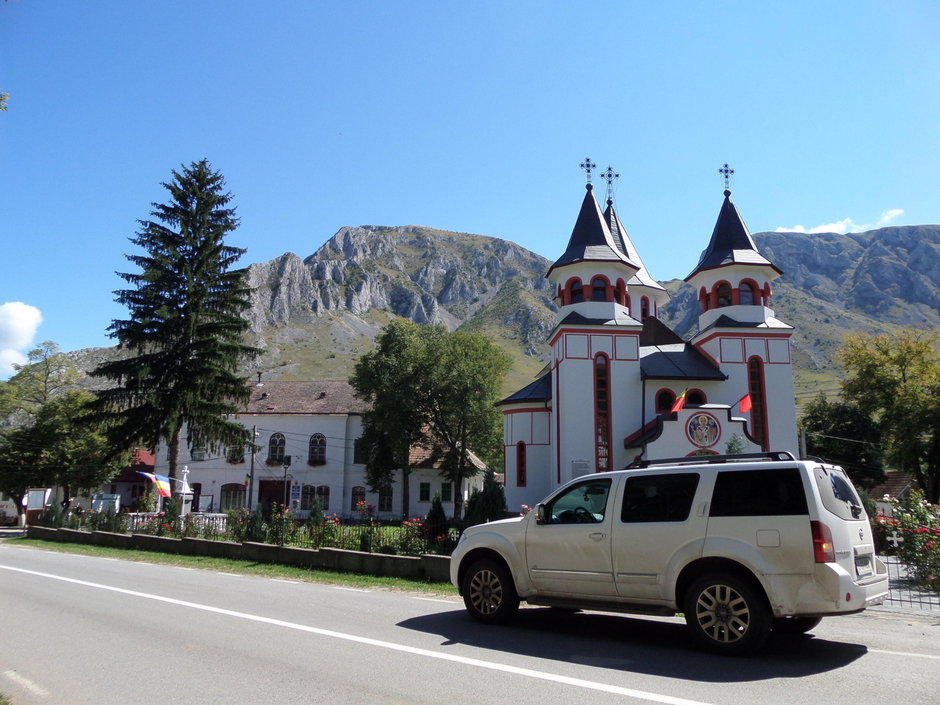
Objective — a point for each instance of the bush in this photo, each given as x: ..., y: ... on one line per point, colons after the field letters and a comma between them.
x: 487, y: 504
x: 912, y: 532
x: 436, y: 525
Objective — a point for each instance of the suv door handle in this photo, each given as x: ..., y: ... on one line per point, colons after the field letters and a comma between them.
x: 598, y: 535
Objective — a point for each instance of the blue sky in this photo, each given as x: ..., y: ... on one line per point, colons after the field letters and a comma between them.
x: 465, y: 116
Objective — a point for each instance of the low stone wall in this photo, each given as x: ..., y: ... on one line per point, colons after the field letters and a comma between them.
x: 427, y: 567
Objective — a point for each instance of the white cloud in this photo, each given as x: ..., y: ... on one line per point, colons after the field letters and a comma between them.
x: 18, y: 325
x: 847, y: 225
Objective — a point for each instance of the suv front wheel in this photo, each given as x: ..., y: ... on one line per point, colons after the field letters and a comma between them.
x: 489, y: 593
x: 726, y: 614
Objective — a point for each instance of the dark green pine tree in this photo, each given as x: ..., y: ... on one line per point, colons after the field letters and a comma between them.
x: 184, y: 333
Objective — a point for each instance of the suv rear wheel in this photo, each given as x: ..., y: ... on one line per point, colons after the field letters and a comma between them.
x: 489, y: 593
x: 726, y: 614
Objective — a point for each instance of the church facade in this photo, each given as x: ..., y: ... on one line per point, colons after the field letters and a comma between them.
x: 622, y: 386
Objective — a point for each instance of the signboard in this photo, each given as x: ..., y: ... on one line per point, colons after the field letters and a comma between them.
x: 106, y: 503
x: 36, y: 498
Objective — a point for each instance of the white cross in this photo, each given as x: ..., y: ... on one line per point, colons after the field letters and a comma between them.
x: 895, y: 538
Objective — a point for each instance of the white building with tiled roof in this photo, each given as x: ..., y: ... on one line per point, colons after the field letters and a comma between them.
x: 306, y: 435
x: 622, y: 386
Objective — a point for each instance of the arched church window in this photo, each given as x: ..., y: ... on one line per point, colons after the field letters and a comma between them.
x: 599, y: 289
x: 644, y: 308
x: 521, y: 461
x: 695, y: 397
x: 621, y: 293
x: 577, y: 292
x: 705, y: 299
x: 755, y: 379
x: 602, y: 412
x: 665, y: 398
x: 723, y: 294
x: 746, y: 294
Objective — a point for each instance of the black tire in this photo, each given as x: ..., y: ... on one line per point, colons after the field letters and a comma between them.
x: 489, y: 593
x: 727, y: 615
x: 795, y: 625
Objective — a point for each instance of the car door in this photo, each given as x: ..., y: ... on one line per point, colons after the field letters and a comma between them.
x: 568, y: 550
x: 659, y: 523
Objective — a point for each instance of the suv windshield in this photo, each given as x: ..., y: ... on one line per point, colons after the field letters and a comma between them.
x: 838, y: 495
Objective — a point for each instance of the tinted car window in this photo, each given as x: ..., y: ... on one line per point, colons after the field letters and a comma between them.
x: 838, y: 495
x: 656, y: 498
x: 777, y: 492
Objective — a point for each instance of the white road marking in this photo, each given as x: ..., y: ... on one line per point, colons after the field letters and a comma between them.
x: 25, y: 683
x: 435, y: 599
x: 282, y: 580
x: 453, y: 658
x: 903, y: 654
x: 348, y: 589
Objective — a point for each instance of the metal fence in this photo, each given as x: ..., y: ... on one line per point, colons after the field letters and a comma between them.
x: 903, y: 592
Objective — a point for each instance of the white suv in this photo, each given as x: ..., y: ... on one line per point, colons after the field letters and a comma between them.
x: 740, y: 544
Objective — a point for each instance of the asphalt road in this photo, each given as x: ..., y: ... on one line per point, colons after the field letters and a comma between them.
x: 77, y: 629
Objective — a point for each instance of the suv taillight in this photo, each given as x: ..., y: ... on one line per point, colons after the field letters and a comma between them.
x: 823, y: 549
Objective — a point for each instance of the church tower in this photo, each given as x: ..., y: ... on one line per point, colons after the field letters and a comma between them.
x: 739, y: 332
x: 595, y: 346
x: 645, y: 295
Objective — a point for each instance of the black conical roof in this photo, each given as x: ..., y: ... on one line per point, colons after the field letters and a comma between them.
x: 591, y: 239
x: 622, y: 240
x: 731, y: 242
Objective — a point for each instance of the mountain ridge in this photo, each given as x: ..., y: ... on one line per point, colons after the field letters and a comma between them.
x: 313, y: 316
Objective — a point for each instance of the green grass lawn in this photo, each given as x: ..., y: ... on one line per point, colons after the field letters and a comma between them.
x: 224, y: 565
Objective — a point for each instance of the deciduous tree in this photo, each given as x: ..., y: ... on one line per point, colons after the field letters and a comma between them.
x: 839, y: 432
x: 389, y: 376
x: 459, y: 396
x: 430, y: 387
x: 895, y: 380
x: 185, y: 327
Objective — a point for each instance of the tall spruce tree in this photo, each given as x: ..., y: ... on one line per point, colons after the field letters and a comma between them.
x: 184, y: 334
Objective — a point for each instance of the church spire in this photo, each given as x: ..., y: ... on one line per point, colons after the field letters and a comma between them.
x: 731, y: 243
x: 591, y: 239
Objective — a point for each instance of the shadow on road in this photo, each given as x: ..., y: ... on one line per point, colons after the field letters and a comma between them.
x: 650, y: 646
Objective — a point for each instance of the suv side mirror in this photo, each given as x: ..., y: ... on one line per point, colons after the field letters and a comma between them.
x: 540, y: 514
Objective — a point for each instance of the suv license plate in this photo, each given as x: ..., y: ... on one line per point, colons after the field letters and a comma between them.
x: 863, y: 565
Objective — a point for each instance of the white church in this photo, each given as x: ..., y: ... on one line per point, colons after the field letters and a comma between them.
x: 622, y: 386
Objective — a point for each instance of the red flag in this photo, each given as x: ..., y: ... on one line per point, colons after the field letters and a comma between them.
x: 680, y: 402
x: 745, y: 403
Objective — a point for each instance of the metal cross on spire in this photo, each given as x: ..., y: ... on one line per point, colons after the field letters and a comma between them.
x: 609, y: 177
x: 726, y: 173
x: 588, y: 167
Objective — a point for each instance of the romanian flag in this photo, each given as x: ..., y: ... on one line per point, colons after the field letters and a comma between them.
x: 161, y: 481
x: 745, y: 403
x: 680, y: 402
x: 247, y: 480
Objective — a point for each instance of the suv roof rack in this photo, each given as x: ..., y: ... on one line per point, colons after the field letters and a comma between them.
x: 775, y: 455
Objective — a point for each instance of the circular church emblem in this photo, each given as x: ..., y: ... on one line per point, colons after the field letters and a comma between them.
x: 703, y: 430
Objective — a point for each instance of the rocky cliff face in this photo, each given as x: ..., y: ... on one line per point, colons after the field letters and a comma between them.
x: 335, y: 301
x: 313, y: 317
x: 892, y: 274
x: 425, y: 275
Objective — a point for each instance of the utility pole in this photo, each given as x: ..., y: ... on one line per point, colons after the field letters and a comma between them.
x: 251, y: 476
x: 287, y: 461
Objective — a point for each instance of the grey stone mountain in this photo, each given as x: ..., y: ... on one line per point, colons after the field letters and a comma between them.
x: 313, y: 317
